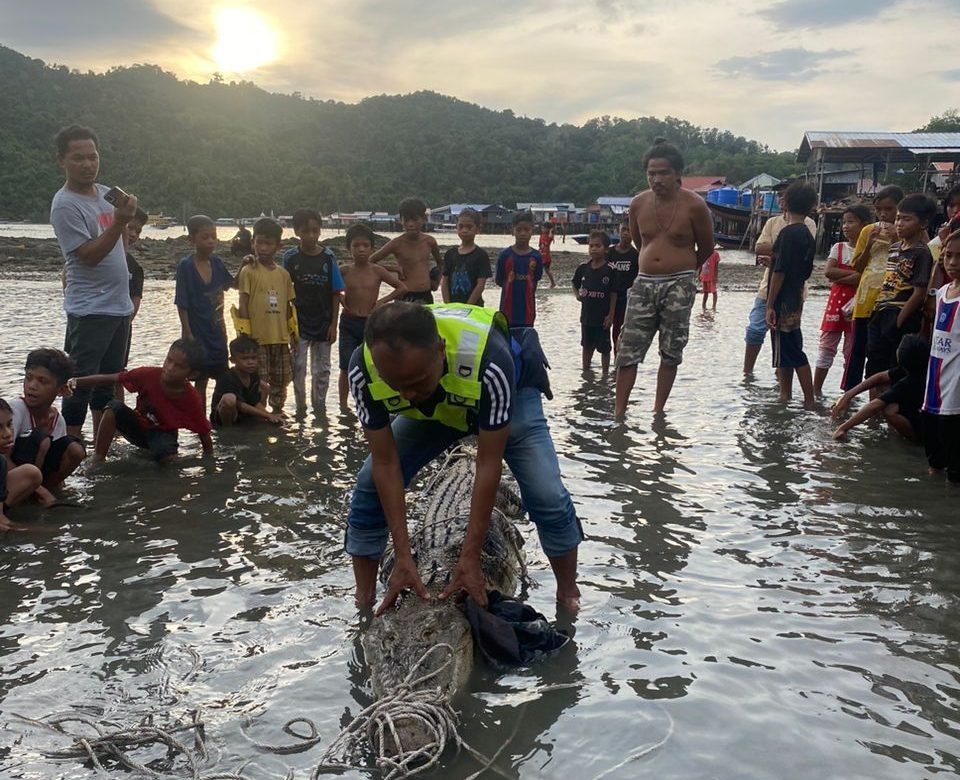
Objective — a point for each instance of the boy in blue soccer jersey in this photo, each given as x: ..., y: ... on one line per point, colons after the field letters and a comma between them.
x: 519, y: 269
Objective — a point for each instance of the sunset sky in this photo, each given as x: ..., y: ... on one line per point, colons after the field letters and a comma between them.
x: 766, y: 70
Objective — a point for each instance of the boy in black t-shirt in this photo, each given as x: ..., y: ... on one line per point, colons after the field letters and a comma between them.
x: 466, y: 268
x: 317, y: 285
x: 240, y: 394
x: 595, y: 285
x: 624, y: 258
x: 899, y: 309
x: 791, y: 266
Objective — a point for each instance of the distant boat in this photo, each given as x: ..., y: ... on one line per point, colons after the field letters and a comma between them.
x: 160, y: 221
x: 226, y: 222
x: 584, y: 238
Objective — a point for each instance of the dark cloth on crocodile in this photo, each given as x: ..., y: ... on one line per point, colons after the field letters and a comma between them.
x: 511, y: 633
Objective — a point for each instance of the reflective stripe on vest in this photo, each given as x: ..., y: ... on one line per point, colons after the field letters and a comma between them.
x: 464, y: 330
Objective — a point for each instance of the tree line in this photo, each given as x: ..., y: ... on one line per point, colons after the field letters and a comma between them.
x: 233, y: 149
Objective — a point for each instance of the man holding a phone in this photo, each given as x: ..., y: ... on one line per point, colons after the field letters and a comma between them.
x: 88, y: 220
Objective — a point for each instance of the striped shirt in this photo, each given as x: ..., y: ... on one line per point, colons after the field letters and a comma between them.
x: 943, y: 372
x: 498, y: 387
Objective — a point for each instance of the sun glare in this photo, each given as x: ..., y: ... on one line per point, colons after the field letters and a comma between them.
x: 245, y: 40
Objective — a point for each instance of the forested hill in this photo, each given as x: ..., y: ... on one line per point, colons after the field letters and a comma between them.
x: 234, y: 149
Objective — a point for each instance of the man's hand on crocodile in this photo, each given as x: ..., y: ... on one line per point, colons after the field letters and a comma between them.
x: 404, y: 577
x: 467, y: 576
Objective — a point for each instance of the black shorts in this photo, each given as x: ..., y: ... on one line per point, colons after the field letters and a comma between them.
x: 941, y: 440
x: 25, y: 450
x: 883, y: 338
x: 351, y: 337
x: 788, y: 349
x: 423, y: 296
x: 161, y: 444
x: 595, y: 337
x: 908, y: 404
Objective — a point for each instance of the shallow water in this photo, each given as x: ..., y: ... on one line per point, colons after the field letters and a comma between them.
x: 760, y: 599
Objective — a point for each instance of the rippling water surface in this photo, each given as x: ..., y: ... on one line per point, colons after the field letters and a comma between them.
x: 758, y: 600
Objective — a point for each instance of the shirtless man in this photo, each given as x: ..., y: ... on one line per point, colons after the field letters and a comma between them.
x: 361, y: 283
x: 673, y: 230
x: 414, y: 251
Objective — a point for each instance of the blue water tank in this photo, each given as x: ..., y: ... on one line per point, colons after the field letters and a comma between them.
x: 727, y: 196
x: 746, y: 200
x: 711, y: 196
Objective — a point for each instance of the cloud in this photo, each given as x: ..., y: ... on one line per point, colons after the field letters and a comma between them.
x: 807, y: 14
x: 950, y: 75
x: 83, y: 25
x: 794, y: 63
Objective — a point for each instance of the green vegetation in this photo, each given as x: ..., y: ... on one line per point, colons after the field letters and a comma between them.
x: 947, y: 122
x: 234, y: 149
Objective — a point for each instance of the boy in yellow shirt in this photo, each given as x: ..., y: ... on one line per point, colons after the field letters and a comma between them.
x: 266, y: 310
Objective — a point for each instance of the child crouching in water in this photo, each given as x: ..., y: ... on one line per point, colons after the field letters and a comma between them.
x: 166, y: 402
x: 240, y: 393
x: 900, y: 403
x: 17, y: 483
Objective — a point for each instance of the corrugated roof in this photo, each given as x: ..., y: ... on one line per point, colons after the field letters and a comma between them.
x: 614, y: 200
x: 863, y: 146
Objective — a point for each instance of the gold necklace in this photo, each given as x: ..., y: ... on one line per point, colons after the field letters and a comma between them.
x: 656, y: 213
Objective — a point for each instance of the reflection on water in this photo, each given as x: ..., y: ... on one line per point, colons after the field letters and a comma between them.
x: 770, y: 602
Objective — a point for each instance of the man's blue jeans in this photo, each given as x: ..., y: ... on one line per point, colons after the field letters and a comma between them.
x: 757, y: 323
x: 529, y: 454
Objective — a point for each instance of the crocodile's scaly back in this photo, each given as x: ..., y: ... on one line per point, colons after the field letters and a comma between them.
x: 395, y: 642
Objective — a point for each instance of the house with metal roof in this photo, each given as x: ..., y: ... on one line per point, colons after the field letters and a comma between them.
x: 874, y: 156
x: 762, y: 181
x: 490, y: 213
x: 702, y: 184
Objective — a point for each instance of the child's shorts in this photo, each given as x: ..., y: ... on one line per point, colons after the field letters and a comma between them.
x: 788, y: 349
x: 941, y: 439
x: 25, y: 450
x: 595, y: 337
x: 161, y: 444
x: 351, y: 337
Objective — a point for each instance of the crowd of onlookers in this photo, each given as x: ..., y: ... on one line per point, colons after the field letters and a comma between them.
x: 893, y: 305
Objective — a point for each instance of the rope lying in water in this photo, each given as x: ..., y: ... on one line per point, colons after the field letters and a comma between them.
x: 377, y: 729
x: 113, y: 741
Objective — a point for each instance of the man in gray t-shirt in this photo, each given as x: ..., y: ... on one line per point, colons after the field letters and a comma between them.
x: 97, y: 282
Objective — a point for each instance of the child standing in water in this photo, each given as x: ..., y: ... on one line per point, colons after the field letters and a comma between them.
x: 624, y: 259
x: 792, y: 264
x: 361, y: 280
x: 317, y: 286
x: 899, y: 304
x: 466, y: 268
x: 870, y: 260
x: 417, y: 253
x: 595, y: 285
x: 519, y: 269
x: 202, y: 279
x: 546, y: 239
x: 941, y: 405
x: 840, y: 271
x: 266, y: 310
x: 709, y: 273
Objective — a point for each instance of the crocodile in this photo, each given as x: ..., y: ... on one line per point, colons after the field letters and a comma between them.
x: 400, y: 643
